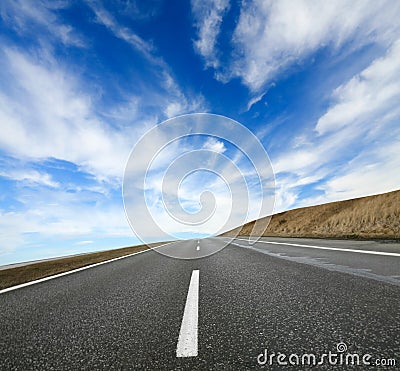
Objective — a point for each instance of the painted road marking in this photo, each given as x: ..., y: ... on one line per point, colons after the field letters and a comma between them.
x: 187, y: 341
x: 73, y: 271
x: 198, y: 247
x: 328, y: 248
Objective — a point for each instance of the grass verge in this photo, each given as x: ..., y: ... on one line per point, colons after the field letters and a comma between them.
x: 34, y: 271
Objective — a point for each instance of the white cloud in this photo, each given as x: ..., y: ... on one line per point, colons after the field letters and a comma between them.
x: 353, y: 150
x: 85, y: 242
x: 271, y: 35
x: 172, y: 100
x: 48, y: 116
x: 49, y: 111
x: 23, y: 15
x: 58, y: 213
x: 31, y: 177
x: 123, y: 113
x: 374, y: 170
x: 173, y: 109
x: 254, y: 100
x: 294, y: 161
x: 208, y: 18
x: 214, y: 145
x: 124, y: 33
x: 177, y: 102
x: 368, y: 95
x: 285, y: 197
x: 170, y: 97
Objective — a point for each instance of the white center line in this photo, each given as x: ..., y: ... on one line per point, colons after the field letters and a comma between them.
x: 198, y: 247
x: 187, y: 341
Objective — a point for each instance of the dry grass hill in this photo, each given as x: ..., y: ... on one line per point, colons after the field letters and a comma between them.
x: 372, y: 217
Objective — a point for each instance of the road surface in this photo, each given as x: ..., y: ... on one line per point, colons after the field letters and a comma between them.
x: 149, y: 311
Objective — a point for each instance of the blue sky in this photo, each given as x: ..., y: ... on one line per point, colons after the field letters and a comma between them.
x: 81, y: 81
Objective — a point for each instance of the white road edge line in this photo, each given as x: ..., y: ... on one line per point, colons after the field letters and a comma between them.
x: 327, y: 248
x: 73, y: 271
x: 187, y: 341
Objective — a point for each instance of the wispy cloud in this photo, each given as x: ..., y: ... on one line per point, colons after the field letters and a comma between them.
x: 177, y: 102
x: 254, y: 100
x: 50, y: 100
x: 31, y: 177
x: 25, y: 15
x: 124, y: 33
x: 78, y: 92
x: 84, y: 242
x: 272, y: 36
x: 174, y: 101
x: 214, y: 145
x: 370, y: 95
x: 351, y: 152
x: 208, y: 16
x: 48, y: 113
x: 60, y: 215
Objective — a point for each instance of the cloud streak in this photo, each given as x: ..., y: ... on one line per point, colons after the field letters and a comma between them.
x: 208, y: 17
x: 273, y: 36
x: 124, y: 33
x: 22, y: 16
x: 49, y: 100
x: 351, y: 152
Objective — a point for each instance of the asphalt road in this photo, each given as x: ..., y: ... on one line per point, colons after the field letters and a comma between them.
x: 128, y: 314
x: 369, y: 259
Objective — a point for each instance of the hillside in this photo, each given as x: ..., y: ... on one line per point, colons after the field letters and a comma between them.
x: 369, y: 217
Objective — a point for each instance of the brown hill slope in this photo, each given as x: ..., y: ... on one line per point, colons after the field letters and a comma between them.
x: 367, y: 217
